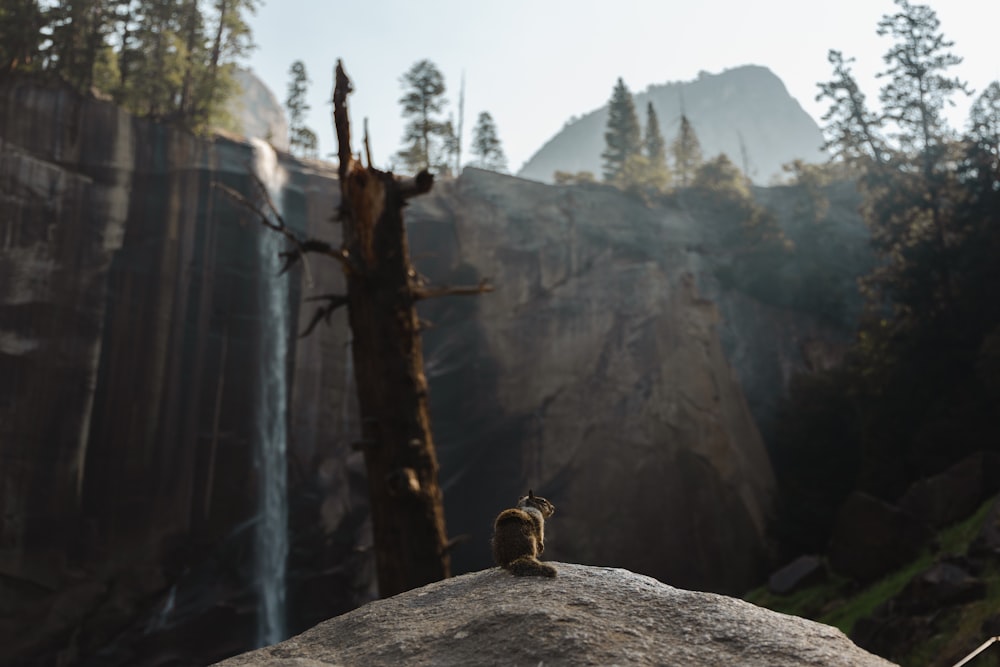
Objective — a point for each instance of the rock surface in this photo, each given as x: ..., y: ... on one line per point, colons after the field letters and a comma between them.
x: 607, y: 372
x: 954, y: 494
x: 871, y: 537
x: 585, y: 616
x: 257, y: 112
x: 594, y: 373
x: 801, y: 572
x: 129, y: 322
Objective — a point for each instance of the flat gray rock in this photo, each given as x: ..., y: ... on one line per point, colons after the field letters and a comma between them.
x: 585, y: 616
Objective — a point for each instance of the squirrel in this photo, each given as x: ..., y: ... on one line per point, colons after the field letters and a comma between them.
x: 519, y: 537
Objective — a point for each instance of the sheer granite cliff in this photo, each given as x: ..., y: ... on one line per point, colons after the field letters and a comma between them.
x: 129, y: 319
x: 597, y: 375
x: 607, y: 371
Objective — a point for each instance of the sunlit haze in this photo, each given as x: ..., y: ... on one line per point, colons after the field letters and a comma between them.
x: 533, y: 65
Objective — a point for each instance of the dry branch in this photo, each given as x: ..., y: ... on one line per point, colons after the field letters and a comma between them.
x: 334, y: 301
x: 421, y: 293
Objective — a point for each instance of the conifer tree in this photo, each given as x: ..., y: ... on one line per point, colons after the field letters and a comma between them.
x: 445, y: 150
x: 21, y: 24
x: 168, y: 59
x: 918, y: 88
x: 851, y: 130
x: 231, y: 41
x: 656, y: 152
x: 653, y: 142
x: 984, y: 126
x: 686, y: 151
x: 301, y: 139
x: 486, y: 145
x: 623, y: 138
x: 422, y: 101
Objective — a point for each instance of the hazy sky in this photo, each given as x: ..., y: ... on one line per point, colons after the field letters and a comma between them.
x: 534, y: 64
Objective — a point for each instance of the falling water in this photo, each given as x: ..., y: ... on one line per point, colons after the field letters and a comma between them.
x: 271, y: 423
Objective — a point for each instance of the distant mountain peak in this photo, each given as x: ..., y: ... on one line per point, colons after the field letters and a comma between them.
x: 744, y: 112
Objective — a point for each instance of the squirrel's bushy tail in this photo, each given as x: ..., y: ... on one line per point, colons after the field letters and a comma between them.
x: 528, y: 566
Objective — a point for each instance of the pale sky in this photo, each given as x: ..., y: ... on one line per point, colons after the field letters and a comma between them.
x: 534, y: 64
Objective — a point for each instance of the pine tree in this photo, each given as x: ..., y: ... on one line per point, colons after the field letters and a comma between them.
x: 422, y: 101
x: 918, y: 89
x: 486, y: 145
x: 686, y: 151
x: 445, y: 150
x: 984, y: 129
x: 910, y: 223
x: 231, y: 41
x: 623, y: 138
x: 301, y: 139
x: 192, y: 32
x: 656, y: 152
x: 169, y: 59
x: 851, y: 130
x: 157, y: 64
x: 656, y: 149
x: 21, y: 23
x: 78, y: 29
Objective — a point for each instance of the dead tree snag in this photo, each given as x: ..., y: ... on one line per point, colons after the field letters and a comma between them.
x: 407, y: 509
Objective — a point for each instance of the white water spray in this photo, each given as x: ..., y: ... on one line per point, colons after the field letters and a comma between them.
x: 271, y: 421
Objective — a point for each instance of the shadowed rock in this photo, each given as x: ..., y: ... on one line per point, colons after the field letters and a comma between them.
x: 954, y: 494
x: 871, y: 537
x: 586, y: 615
x: 801, y: 572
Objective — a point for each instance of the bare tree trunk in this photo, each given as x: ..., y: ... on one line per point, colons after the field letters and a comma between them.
x: 407, y: 510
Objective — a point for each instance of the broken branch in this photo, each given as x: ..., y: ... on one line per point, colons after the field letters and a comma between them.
x: 418, y: 185
x: 334, y: 301
x: 341, y: 120
x: 276, y: 224
x: 421, y: 293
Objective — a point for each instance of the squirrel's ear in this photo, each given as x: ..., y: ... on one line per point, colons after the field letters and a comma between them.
x: 531, y: 494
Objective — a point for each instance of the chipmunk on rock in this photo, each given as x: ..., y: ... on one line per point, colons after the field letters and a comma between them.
x: 519, y: 537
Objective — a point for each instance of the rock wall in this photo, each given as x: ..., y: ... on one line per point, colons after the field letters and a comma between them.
x: 598, y: 373
x: 129, y: 318
x: 597, y: 377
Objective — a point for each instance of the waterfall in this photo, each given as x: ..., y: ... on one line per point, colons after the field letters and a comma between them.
x: 271, y: 422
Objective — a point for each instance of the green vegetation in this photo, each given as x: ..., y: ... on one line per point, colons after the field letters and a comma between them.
x: 486, y: 145
x: 570, y: 178
x: 428, y: 138
x: 686, y: 151
x: 623, y: 137
x: 657, y: 176
x: 434, y: 143
x: 635, y: 159
x: 838, y: 601
x: 172, y: 61
x: 915, y: 392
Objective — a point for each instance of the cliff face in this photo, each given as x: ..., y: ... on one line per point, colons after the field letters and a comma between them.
x: 598, y: 378
x: 744, y: 112
x: 598, y: 374
x: 129, y: 346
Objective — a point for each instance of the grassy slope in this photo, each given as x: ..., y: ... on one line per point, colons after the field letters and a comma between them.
x: 839, y: 602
